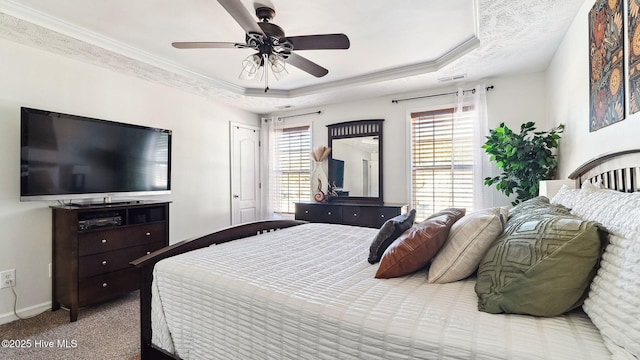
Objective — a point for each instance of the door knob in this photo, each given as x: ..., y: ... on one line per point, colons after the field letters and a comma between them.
x: 235, y: 196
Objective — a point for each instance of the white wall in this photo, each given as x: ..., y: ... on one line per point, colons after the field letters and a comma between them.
x: 200, y: 160
x: 568, y: 94
x: 514, y: 100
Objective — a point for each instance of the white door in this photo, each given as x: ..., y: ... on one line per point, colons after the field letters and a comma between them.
x: 245, y: 173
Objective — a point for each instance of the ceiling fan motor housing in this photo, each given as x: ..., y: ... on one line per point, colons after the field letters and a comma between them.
x: 275, y: 40
x: 265, y: 13
x: 271, y: 30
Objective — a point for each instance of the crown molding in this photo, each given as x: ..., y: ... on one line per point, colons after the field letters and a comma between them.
x: 396, y: 73
x: 65, y: 28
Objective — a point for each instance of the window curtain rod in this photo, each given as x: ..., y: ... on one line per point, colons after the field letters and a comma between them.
x: 473, y: 91
x: 291, y: 116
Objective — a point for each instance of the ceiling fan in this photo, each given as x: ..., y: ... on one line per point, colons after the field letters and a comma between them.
x: 272, y: 46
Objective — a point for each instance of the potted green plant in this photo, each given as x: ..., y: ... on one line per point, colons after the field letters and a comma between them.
x: 525, y: 158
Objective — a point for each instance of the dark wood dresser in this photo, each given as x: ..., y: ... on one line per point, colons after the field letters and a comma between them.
x: 359, y: 214
x: 93, y: 245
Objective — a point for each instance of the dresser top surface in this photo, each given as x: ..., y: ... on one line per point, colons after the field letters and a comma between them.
x: 362, y: 204
x: 98, y: 206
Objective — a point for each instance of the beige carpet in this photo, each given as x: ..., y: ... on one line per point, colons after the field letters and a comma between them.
x: 107, y: 331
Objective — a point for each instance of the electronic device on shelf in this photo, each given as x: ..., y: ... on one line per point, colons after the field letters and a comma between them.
x: 100, y: 222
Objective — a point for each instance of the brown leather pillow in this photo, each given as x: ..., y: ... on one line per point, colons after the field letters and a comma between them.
x: 418, y: 245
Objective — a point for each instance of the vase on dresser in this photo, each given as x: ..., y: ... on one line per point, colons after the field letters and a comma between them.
x: 319, y: 182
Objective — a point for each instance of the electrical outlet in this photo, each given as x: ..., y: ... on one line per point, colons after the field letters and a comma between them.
x: 7, y: 278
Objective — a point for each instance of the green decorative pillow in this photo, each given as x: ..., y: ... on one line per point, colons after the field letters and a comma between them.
x: 541, y: 265
x: 537, y: 206
x: 390, y: 231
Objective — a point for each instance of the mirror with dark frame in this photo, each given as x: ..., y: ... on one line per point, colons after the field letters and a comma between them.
x: 355, y: 162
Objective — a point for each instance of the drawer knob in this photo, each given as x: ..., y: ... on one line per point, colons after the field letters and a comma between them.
x: 306, y: 211
x: 148, y: 252
x: 382, y: 215
x: 355, y: 214
x: 104, y: 285
x: 104, y: 262
x: 104, y: 241
x: 148, y: 234
x: 329, y: 213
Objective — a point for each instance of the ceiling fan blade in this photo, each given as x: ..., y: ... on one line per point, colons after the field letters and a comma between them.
x: 318, y: 42
x: 307, y: 65
x: 241, y: 15
x: 207, y: 45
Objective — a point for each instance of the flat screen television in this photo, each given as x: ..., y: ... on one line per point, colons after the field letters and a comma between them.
x: 337, y: 173
x: 67, y: 157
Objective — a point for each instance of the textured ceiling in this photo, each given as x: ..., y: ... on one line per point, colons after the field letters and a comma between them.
x: 396, y: 47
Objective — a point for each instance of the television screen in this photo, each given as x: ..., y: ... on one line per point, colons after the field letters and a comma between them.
x: 69, y: 157
x: 337, y: 173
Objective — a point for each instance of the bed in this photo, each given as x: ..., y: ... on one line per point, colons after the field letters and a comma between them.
x: 291, y: 290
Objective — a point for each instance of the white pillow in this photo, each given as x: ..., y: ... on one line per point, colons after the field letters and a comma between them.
x: 613, y: 302
x: 589, y: 187
x: 566, y: 197
x: 467, y: 243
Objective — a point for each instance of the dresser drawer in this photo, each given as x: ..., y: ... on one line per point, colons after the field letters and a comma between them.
x: 368, y: 216
x: 103, y: 287
x: 101, y: 263
x: 93, y: 242
x: 386, y: 213
x: 354, y: 215
x: 319, y: 213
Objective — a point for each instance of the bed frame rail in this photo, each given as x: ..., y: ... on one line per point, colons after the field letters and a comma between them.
x: 617, y: 171
x: 147, y: 262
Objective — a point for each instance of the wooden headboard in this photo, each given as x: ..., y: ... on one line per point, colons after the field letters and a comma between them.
x: 618, y: 171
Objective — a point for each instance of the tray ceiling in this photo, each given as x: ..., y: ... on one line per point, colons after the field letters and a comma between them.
x: 396, y: 47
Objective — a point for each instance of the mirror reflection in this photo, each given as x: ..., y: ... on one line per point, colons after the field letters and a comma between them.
x: 354, y: 166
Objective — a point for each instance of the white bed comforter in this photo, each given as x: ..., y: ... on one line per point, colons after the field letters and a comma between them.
x: 308, y: 292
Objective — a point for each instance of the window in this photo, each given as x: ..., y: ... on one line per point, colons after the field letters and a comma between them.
x: 293, y: 169
x: 441, y: 161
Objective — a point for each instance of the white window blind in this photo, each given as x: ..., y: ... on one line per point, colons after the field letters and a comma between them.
x: 442, y: 161
x: 293, y: 174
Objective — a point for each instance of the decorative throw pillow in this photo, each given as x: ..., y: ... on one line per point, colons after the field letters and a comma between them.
x: 566, y: 197
x: 613, y: 303
x: 569, y: 197
x: 468, y: 242
x: 416, y: 246
x: 541, y: 266
x: 390, y: 231
x: 538, y: 206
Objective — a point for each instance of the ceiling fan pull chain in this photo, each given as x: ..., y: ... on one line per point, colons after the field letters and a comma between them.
x: 266, y: 72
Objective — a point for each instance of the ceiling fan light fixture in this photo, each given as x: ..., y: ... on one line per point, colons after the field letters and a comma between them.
x: 251, y: 67
x: 278, y: 66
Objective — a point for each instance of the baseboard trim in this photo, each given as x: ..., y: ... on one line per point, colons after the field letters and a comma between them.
x: 25, y: 312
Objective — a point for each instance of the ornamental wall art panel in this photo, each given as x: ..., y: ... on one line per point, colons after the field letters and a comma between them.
x: 606, y: 46
x: 634, y: 56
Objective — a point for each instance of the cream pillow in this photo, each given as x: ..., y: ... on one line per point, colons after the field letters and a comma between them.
x: 566, y: 197
x: 468, y: 242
